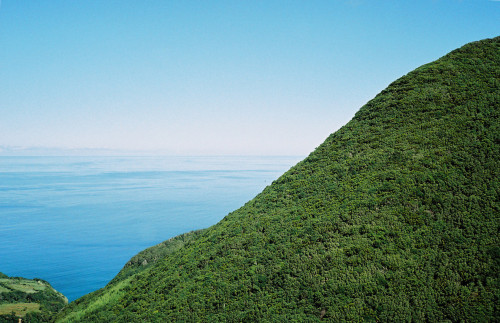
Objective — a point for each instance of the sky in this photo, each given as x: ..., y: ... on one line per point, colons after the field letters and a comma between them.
x: 211, y: 77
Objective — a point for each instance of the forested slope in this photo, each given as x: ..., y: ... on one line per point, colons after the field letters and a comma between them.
x: 395, y: 217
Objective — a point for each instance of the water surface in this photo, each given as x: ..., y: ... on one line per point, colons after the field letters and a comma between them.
x: 75, y: 221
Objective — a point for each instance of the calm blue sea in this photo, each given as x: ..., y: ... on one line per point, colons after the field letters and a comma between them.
x: 75, y: 221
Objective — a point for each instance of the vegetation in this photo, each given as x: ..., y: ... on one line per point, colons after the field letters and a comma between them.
x: 20, y: 309
x: 139, y: 263
x: 395, y: 217
x: 32, y: 300
x: 149, y: 256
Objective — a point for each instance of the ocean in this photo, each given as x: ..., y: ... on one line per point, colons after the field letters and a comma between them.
x: 76, y: 221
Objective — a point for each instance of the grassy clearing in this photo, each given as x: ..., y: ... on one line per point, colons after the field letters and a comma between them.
x: 23, y: 285
x: 20, y: 308
x: 27, y: 286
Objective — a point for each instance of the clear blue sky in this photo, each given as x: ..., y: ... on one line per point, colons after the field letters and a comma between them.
x: 212, y: 77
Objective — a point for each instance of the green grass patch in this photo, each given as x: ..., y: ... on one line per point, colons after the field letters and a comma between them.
x: 20, y: 309
x: 23, y: 285
x: 27, y: 286
x: 4, y: 290
x: 110, y: 297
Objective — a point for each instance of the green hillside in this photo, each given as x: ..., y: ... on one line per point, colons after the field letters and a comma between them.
x: 31, y: 300
x: 395, y: 217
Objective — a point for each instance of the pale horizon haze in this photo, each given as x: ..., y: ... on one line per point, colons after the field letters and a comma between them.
x: 211, y: 77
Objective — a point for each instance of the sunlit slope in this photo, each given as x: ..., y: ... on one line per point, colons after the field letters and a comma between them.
x: 394, y: 217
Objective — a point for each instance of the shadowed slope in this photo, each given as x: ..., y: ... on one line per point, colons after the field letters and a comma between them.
x: 394, y: 217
